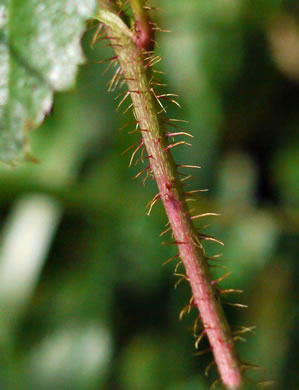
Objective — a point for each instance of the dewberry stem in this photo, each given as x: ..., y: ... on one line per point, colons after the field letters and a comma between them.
x: 147, y: 110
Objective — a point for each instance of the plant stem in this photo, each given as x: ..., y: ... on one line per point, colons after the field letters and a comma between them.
x: 144, y: 31
x: 148, y: 113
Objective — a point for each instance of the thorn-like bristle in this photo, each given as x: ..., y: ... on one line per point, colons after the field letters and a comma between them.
x: 217, y: 266
x: 185, y: 310
x: 198, y: 243
x: 195, y: 326
x: 175, y: 126
x: 231, y: 291
x: 206, y: 226
x: 215, y: 257
x: 168, y: 135
x: 154, y: 82
x: 151, y: 204
x: 148, y: 52
x: 148, y: 174
x: 136, y: 130
x: 96, y: 36
x: 177, y: 120
x: 209, y: 366
x: 204, y: 214
x: 151, y: 57
x: 236, y: 304
x: 156, y: 97
x: 112, y: 84
x: 182, y: 174
x: 203, y: 352
x: 122, y: 5
x: 167, y: 96
x: 158, y: 71
x: 114, y: 44
x: 263, y: 384
x: 177, y: 266
x: 111, y: 59
x: 127, y: 94
x: 181, y: 276
x: 160, y: 29
x: 178, y: 282
x: 185, y: 178
x: 164, y: 109
x: 171, y: 259
x: 167, y: 243
x: 176, y: 144
x: 128, y: 108
x: 142, y: 154
x: 215, y: 383
x: 164, y: 95
x: 134, y: 153
x: 239, y: 338
x: 174, y: 123
x: 141, y: 172
x: 243, y: 329
x: 193, y: 193
x: 249, y: 366
x: 131, y: 147
x: 219, y: 280
x: 130, y: 124
x: 199, y: 338
x: 152, y: 61
x: 166, y: 231
x: 190, y: 166
x: 107, y: 68
x: 210, y: 238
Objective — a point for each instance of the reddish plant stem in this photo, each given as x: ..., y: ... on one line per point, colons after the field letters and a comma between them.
x: 191, y: 251
x: 145, y: 34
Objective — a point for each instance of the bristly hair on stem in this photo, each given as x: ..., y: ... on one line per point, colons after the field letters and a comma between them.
x: 133, y: 44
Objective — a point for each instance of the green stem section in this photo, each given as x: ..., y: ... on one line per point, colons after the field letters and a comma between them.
x: 148, y: 115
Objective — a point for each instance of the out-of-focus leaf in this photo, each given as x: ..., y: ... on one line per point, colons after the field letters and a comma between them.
x: 39, y: 53
x: 150, y: 361
x: 71, y: 357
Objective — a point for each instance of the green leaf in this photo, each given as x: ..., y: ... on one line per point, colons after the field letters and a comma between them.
x: 39, y: 54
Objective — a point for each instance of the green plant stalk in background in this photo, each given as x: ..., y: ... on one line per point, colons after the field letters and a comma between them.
x: 133, y: 49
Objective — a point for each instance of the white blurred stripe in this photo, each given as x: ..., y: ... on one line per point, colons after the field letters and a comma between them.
x: 25, y: 242
x: 74, y: 354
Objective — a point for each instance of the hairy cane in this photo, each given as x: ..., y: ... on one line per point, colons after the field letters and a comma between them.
x: 133, y: 51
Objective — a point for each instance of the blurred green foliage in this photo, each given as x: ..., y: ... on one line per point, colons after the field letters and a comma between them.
x: 85, y: 303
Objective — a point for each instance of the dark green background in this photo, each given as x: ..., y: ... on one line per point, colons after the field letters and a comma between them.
x: 102, y: 312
